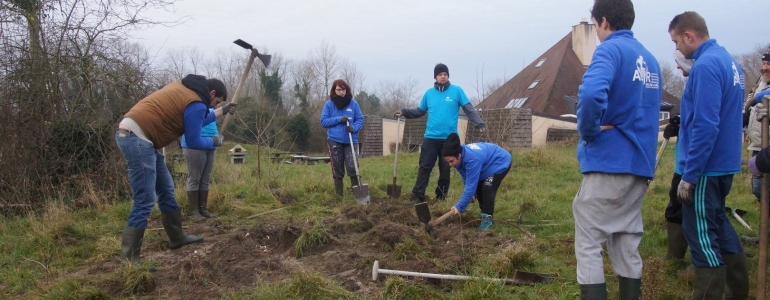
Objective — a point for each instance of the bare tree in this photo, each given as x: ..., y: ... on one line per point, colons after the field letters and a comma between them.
x: 673, y: 81
x: 396, y: 95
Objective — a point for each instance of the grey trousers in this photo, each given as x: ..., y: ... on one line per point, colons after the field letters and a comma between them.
x: 608, y: 209
x: 199, y: 166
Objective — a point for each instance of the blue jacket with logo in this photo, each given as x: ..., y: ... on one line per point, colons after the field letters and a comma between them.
x: 620, y: 88
x: 479, y: 161
x: 207, y: 130
x: 443, y: 109
x: 336, y: 131
x: 710, y: 135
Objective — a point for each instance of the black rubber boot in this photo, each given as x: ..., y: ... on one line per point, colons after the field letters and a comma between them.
x: 194, y: 203
x: 203, y: 202
x: 736, y: 276
x: 709, y: 283
x: 172, y: 223
x: 629, y: 288
x: 131, y: 245
x: 339, y: 186
x: 677, y: 246
x: 593, y: 291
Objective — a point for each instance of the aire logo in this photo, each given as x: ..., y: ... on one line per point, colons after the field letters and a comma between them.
x: 642, y: 73
x: 738, y: 77
x: 448, y: 99
x: 349, y: 109
x: 474, y: 146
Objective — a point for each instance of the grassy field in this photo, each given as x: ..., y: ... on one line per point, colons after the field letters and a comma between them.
x: 312, y: 245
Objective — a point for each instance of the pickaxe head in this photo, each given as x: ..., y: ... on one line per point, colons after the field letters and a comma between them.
x: 264, y: 58
x: 736, y: 211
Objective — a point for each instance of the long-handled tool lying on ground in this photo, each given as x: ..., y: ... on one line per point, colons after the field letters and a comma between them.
x: 738, y: 213
x: 254, y: 54
x: 521, y: 278
x: 394, y: 190
x: 360, y: 191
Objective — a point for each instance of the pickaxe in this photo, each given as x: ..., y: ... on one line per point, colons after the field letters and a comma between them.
x: 737, y: 213
x: 265, y: 59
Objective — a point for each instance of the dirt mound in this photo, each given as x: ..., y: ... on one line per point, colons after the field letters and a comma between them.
x: 341, y: 248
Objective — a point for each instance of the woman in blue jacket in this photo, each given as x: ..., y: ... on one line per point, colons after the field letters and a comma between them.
x: 341, y: 116
x: 482, y: 167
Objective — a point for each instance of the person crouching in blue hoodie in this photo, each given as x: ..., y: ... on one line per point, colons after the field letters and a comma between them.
x: 482, y: 167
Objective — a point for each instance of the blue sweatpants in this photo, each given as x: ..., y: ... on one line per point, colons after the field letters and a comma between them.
x: 706, y: 227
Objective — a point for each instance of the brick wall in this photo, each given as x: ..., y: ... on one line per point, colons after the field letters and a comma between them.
x: 506, y: 127
x: 370, y: 137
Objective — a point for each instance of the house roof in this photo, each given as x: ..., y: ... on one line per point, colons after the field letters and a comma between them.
x: 558, y: 73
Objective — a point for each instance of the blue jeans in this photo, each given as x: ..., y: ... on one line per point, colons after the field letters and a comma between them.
x: 429, y: 152
x: 149, y: 176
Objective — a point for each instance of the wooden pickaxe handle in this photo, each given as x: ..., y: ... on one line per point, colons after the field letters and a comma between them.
x: 440, y: 219
x: 238, y: 89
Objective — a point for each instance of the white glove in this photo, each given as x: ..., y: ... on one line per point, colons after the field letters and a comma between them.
x: 685, y: 192
x: 761, y: 111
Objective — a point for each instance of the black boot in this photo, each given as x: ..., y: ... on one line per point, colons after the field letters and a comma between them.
x: 677, y: 246
x: 131, y: 245
x: 203, y: 202
x: 338, y: 186
x: 709, y: 283
x: 593, y: 291
x: 629, y: 288
x: 172, y: 223
x: 194, y: 203
x: 736, y: 276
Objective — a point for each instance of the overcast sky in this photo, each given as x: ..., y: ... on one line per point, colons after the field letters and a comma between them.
x: 400, y: 39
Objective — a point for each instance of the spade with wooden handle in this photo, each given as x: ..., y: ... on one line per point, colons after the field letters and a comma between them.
x: 436, y: 222
x: 265, y: 59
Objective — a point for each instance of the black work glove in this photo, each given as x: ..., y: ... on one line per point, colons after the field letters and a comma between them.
x: 343, y: 119
x: 672, y: 129
x: 218, y: 140
x: 350, y: 129
x: 229, y: 108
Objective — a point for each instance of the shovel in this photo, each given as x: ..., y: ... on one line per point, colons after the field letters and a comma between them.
x: 423, y: 212
x: 360, y: 191
x: 394, y: 190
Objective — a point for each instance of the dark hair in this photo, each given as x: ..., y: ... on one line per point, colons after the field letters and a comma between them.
x: 218, y: 87
x: 619, y: 13
x: 452, y: 146
x: 341, y: 83
x: 689, y: 20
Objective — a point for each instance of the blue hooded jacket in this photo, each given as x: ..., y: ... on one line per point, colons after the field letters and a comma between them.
x: 620, y: 88
x: 337, y: 131
x: 479, y: 161
x: 711, y: 134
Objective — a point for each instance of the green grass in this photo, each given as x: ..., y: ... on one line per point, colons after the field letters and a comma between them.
x: 43, y: 255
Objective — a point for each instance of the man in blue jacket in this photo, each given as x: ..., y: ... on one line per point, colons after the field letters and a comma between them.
x: 709, y: 154
x: 442, y: 103
x: 617, y: 118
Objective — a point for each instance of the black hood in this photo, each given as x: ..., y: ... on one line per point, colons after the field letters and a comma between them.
x: 197, y: 84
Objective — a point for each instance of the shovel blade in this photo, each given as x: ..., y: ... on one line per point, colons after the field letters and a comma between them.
x: 423, y: 212
x: 529, y: 278
x: 362, y: 193
x: 394, y: 190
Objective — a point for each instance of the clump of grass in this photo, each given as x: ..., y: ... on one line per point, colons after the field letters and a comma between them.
x: 75, y: 289
x: 410, y: 248
x: 136, y: 280
x: 397, y: 288
x: 479, y: 289
x: 315, y: 236
x: 306, y: 285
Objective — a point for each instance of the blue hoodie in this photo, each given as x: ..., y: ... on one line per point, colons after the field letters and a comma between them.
x: 479, y: 161
x: 443, y: 109
x: 207, y: 130
x: 620, y: 88
x: 336, y: 131
x: 710, y: 135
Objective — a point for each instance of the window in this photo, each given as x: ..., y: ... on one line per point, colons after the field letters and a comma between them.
x: 540, y: 63
x: 516, y: 103
x: 663, y: 115
x: 533, y: 85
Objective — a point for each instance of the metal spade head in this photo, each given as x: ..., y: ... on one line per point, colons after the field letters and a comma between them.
x: 264, y: 58
x: 243, y: 44
x: 423, y: 212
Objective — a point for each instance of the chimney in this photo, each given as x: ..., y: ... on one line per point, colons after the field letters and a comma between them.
x: 584, y: 41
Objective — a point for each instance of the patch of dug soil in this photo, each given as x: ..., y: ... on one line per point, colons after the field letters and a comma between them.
x: 240, y: 258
